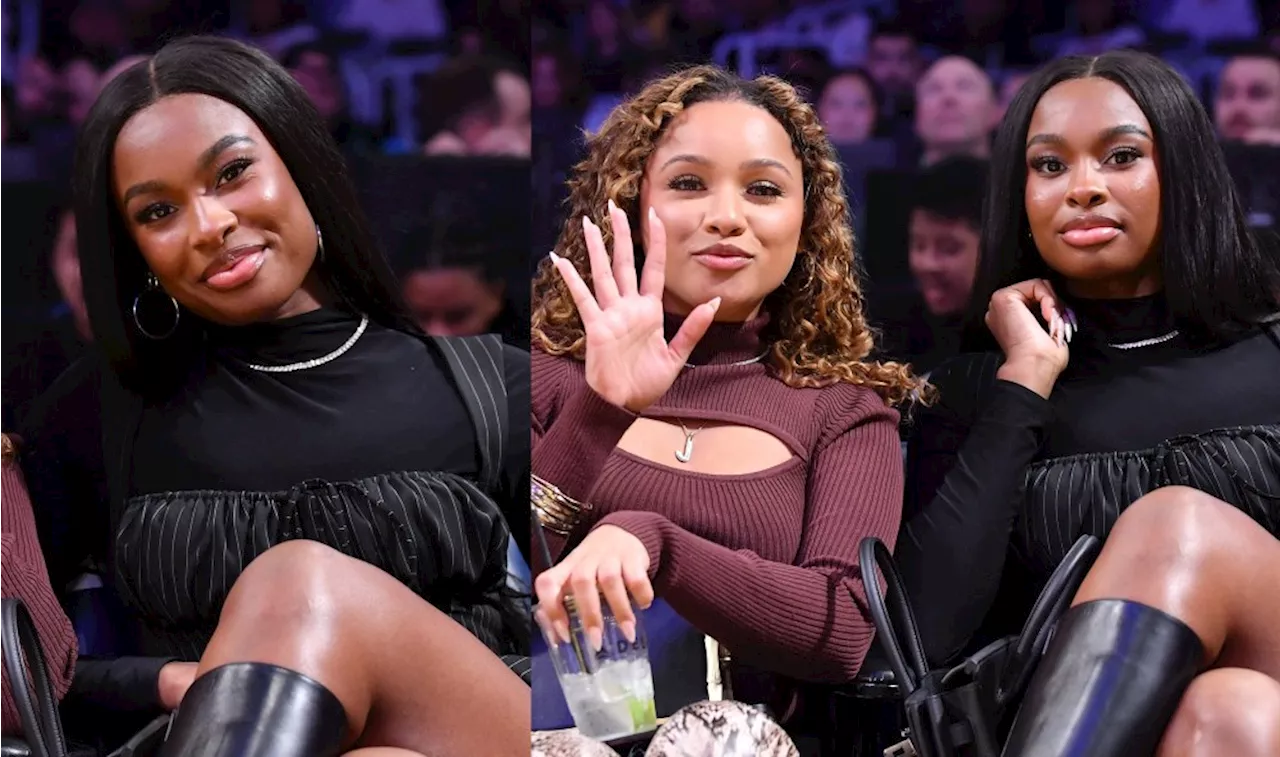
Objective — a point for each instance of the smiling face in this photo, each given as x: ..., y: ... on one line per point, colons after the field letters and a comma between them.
x: 730, y: 192
x: 1093, y: 191
x: 214, y: 212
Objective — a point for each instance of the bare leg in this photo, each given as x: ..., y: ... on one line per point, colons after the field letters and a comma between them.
x: 1229, y: 711
x: 407, y: 675
x: 1204, y: 562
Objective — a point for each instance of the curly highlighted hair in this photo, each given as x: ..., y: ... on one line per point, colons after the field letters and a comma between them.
x: 818, y: 334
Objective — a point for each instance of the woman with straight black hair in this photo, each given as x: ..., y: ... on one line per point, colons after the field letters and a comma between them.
x: 279, y: 474
x: 1120, y: 381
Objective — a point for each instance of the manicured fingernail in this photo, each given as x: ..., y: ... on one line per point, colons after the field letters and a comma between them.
x: 612, y: 205
x: 628, y: 629
x: 554, y: 257
x: 562, y: 631
x: 715, y: 304
x: 653, y: 214
x: 596, y: 638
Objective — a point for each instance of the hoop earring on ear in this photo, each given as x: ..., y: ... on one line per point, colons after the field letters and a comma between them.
x: 319, y: 245
x: 152, y: 287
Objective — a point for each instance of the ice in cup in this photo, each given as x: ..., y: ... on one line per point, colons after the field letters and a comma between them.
x: 609, y: 692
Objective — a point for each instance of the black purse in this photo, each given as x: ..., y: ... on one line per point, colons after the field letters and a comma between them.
x: 24, y: 664
x: 958, y: 711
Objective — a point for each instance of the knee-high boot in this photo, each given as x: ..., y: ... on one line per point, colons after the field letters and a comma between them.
x: 1108, y: 684
x: 249, y: 709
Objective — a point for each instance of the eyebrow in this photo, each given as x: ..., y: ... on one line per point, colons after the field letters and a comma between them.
x: 754, y: 163
x: 1106, y: 135
x: 205, y: 160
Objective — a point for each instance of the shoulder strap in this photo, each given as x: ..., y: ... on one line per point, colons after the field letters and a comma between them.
x: 121, y: 412
x: 477, y: 367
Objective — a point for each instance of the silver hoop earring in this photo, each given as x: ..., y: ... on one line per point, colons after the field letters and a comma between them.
x: 319, y: 245
x: 152, y: 288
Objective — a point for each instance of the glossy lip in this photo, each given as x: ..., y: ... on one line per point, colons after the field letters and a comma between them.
x: 723, y: 251
x: 228, y: 259
x: 1091, y: 221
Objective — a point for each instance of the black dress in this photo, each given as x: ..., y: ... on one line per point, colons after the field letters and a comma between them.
x: 1001, y: 482
x: 406, y: 453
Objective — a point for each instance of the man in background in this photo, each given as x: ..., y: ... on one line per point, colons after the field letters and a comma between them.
x: 921, y: 323
x: 956, y: 110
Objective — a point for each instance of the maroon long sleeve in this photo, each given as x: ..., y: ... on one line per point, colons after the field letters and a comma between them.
x: 766, y: 563
x: 26, y: 578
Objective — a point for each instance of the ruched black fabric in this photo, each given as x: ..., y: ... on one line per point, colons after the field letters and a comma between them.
x: 1068, y: 497
x: 179, y: 553
x: 1001, y: 482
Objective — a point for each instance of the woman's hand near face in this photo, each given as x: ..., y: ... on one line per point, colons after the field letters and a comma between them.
x: 610, y: 562
x: 1034, y: 356
x: 629, y: 362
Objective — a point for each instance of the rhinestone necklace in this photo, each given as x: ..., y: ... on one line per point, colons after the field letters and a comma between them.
x: 748, y: 361
x: 1145, y: 342
x: 304, y: 365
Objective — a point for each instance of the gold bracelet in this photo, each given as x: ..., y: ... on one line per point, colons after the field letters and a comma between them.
x: 557, y: 511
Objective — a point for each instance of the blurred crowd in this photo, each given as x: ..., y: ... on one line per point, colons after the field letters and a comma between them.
x: 911, y: 93
x: 429, y: 99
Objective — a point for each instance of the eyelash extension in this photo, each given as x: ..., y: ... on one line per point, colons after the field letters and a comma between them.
x: 240, y: 163
x: 693, y: 184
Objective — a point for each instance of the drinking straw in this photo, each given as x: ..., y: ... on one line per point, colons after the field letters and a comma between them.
x: 569, y: 605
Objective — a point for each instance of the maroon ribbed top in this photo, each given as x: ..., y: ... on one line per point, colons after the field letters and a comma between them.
x: 767, y: 562
x: 26, y: 578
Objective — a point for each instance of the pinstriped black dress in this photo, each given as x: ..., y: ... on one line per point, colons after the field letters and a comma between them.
x: 1002, y: 482
x: 398, y: 453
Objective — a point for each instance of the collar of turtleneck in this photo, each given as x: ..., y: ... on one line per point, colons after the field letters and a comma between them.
x: 285, y: 340
x: 1123, y: 321
x: 725, y: 342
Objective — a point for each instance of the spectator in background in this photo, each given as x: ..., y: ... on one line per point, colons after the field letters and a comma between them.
x: 314, y: 68
x: 99, y: 30
x: 894, y: 62
x: 1247, y: 105
x: 610, y: 45
x: 924, y: 328
x: 1103, y: 27
x: 459, y: 290
x: 469, y: 107
x: 49, y: 344
x: 80, y: 85
x: 849, y: 107
x: 956, y: 110
x: 1009, y: 86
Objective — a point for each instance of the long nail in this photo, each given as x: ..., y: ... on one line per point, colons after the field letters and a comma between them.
x: 628, y: 629
x: 653, y: 214
x: 715, y: 304
x: 595, y: 637
x: 554, y: 257
x: 586, y: 223
x: 612, y: 206
x: 562, y: 631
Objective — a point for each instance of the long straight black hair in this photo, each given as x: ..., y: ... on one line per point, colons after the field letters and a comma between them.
x: 353, y: 269
x: 1217, y: 281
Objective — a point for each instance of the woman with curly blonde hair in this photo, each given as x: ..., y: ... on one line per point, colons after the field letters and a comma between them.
x: 708, y: 429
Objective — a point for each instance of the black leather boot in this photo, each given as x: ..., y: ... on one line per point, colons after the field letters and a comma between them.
x: 1108, y: 684
x: 249, y: 709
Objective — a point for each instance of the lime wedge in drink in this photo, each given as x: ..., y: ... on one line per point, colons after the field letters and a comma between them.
x: 644, y: 713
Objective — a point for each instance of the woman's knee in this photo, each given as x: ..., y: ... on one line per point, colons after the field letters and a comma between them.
x: 1226, y: 711
x: 295, y: 579
x: 1175, y: 525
